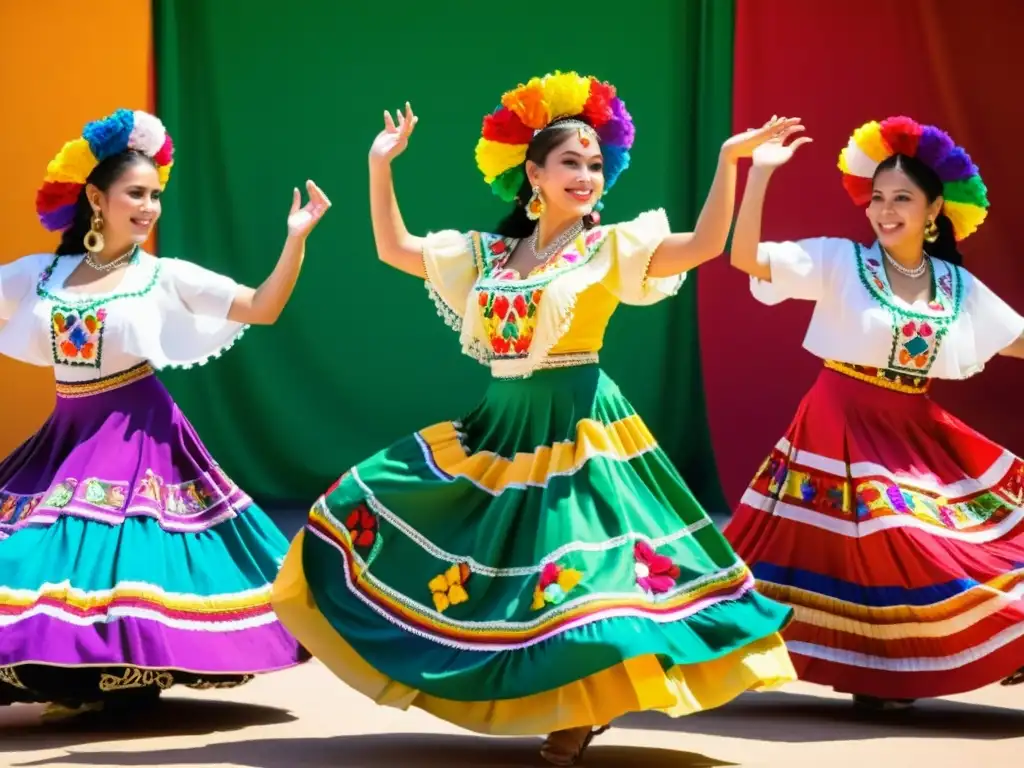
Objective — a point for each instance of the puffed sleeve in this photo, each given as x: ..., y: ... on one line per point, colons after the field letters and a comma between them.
x: 632, y: 245
x: 18, y: 279
x: 203, y: 292
x: 995, y: 324
x: 451, y: 268
x: 194, y: 304
x: 801, y: 269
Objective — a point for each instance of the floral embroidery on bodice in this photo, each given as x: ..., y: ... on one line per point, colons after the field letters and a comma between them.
x: 167, y: 312
x: 918, y: 330
x: 78, y: 322
x: 555, y: 314
x: 510, y: 304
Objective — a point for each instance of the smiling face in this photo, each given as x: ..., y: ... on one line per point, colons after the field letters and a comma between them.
x: 131, y: 204
x: 899, y: 210
x: 571, y: 178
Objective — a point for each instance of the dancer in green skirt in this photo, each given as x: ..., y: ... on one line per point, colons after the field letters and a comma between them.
x: 538, y: 567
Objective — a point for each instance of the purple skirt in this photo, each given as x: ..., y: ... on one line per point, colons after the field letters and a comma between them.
x: 129, y: 561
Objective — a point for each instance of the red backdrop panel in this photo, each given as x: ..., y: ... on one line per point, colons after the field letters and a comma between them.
x: 939, y: 61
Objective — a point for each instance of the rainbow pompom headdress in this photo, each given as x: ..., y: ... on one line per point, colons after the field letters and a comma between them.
x: 501, y: 150
x: 964, y: 193
x: 68, y: 171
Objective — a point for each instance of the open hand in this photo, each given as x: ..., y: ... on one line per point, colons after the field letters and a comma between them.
x: 301, y: 221
x: 392, y: 141
x: 744, y: 144
x: 775, y: 152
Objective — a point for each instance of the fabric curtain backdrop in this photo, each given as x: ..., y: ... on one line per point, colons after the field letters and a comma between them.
x: 30, y: 81
x: 838, y: 69
x: 359, y: 356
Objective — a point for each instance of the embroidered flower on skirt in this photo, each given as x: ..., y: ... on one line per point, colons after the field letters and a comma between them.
x: 362, y: 527
x: 654, y: 573
x: 449, y: 588
x: 554, y: 584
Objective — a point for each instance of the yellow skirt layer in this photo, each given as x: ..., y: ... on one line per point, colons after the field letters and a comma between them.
x: 637, y: 684
x: 621, y: 440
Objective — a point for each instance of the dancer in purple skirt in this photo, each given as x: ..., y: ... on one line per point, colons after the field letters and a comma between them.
x: 129, y: 561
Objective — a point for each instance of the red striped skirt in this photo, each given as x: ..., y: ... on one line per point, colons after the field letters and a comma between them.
x: 895, y: 531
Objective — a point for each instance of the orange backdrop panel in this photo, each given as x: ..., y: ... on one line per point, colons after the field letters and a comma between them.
x: 62, y: 63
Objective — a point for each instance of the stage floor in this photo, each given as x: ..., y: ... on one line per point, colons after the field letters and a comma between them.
x: 305, y: 717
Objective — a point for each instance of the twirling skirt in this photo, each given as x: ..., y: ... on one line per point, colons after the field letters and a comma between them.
x: 129, y: 562
x: 538, y: 566
x: 895, y: 532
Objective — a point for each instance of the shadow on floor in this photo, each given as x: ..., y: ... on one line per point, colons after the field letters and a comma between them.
x: 21, y: 731
x: 796, y: 718
x: 383, y: 751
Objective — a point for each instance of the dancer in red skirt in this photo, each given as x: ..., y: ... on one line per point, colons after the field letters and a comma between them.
x: 895, y: 530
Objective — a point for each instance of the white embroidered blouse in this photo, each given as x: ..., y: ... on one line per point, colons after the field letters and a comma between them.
x: 170, y: 313
x: 516, y: 323
x: 859, y: 320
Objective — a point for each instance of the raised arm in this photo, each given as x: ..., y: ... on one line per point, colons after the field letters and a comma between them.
x: 396, y: 247
x: 263, y: 305
x: 682, y: 252
x: 747, y: 235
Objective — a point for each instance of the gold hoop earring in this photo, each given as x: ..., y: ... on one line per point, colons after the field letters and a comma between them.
x: 535, y: 206
x: 931, y: 232
x: 93, y: 240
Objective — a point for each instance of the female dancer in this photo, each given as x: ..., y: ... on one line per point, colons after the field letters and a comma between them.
x: 892, y: 528
x: 129, y: 561
x: 538, y: 566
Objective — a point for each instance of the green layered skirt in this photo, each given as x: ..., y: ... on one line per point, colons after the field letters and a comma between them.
x: 538, y: 565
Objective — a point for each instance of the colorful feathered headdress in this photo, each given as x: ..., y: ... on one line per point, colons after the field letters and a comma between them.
x: 507, y: 132
x: 964, y: 193
x: 68, y: 171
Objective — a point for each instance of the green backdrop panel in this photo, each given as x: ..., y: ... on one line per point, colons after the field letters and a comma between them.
x: 259, y: 99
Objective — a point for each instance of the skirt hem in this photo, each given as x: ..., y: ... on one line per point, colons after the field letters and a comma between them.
x: 884, y: 684
x: 636, y: 684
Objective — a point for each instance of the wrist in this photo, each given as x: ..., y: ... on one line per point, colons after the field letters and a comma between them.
x: 379, y: 164
x: 726, y: 155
